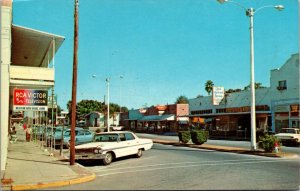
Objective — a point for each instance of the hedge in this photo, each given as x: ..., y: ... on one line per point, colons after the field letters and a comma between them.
x: 184, y: 136
x: 199, y: 137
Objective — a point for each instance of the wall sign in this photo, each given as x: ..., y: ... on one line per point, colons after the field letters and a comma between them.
x: 30, y: 100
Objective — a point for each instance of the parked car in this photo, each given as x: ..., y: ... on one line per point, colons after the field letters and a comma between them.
x: 107, y: 146
x: 57, y: 135
x: 289, y: 136
x: 81, y: 136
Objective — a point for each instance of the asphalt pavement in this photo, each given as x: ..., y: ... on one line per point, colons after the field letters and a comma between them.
x: 32, y: 166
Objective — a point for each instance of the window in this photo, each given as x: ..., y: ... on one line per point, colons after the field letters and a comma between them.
x: 129, y: 136
x: 282, y: 85
x: 122, y: 137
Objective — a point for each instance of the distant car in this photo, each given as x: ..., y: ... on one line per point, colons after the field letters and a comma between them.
x: 107, y: 146
x: 81, y: 136
x: 289, y: 136
x: 116, y: 128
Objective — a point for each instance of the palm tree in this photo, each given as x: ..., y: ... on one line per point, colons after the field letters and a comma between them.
x: 209, y: 86
x: 182, y: 99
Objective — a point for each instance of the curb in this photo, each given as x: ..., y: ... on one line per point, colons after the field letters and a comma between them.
x: 228, y: 149
x: 83, y: 179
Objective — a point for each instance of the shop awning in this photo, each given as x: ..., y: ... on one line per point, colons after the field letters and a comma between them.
x: 169, y: 117
x: 32, y: 47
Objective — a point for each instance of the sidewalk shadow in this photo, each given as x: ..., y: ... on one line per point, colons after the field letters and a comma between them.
x: 59, y: 163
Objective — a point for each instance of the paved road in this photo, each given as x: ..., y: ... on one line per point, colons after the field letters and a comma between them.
x: 242, y: 144
x: 166, y: 167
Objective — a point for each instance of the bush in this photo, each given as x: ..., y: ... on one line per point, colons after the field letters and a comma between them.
x: 184, y: 136
x: 267, y: 142
x: 98, y: 130
x: 199, y: 137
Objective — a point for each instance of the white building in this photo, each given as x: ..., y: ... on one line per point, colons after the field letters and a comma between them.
x: 276, y: 106
x: 27, y: 62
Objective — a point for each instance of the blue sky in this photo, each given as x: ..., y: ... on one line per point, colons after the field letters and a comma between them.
x: 162, y: 48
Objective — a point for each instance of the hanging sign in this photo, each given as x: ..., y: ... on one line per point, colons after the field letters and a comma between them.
x: 30, y: 100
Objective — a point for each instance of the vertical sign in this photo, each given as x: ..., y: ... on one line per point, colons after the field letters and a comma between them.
x: 30, y: 100
x: 217, y: 95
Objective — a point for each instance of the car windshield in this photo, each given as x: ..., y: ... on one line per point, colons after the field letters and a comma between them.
x: 288, y: 131
x: 106, y: 138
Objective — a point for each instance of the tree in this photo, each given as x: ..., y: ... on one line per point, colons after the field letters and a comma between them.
x: 257, y: 85
x: 182, y: 99
x: 86, y: 106
x: 209, y: 86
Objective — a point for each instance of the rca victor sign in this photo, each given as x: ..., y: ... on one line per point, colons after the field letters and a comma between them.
x: 30, y: 100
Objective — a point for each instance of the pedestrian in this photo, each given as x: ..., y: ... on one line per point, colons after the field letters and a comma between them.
x: 24, y: 126
x: 28, y: 133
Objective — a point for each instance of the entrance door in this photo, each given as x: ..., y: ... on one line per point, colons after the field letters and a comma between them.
x: 295, y: 123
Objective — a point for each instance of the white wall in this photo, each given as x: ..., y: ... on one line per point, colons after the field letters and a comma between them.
x: 6, y: 19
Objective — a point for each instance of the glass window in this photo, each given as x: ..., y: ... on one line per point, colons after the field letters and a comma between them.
x: 122, y: 137
x: 129, y: 136
x: 282, y: 83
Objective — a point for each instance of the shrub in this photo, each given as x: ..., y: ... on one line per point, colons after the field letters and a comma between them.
x: 267, y: 142
x: 98, y: 130
x: 184, y: 136
x: 199, y: 137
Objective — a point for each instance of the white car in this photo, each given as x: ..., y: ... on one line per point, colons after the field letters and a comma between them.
x: 107, y: 146
x: 289, y: 135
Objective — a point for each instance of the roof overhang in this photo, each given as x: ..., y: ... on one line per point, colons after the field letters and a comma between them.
x: 32, y: 47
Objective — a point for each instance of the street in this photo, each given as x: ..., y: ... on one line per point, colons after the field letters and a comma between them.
x: 241, y: 144
x: 166, y: 167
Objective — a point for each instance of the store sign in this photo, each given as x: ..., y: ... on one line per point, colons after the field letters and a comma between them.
x: 161, y: 107
x: 30, y: 100
x: 54, y: 101
x: 217, y: 95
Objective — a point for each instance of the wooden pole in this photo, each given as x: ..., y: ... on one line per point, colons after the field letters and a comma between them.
x: 74, y: 86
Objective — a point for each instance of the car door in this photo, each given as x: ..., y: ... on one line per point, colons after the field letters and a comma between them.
x: 88, y: 136
x: 79, y: 137
x: 131, y: 144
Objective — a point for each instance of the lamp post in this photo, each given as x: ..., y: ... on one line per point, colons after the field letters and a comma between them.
x: 107, y: 83
x: 250, y: 13
x: 121, y: 77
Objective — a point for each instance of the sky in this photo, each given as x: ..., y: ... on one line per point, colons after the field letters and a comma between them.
x: 154, y: 51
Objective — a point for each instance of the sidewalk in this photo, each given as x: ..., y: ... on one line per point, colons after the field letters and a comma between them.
x: 29, y: 166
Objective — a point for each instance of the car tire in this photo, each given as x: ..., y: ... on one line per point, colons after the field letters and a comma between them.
x: 107, y: 158
x: 139, y: 153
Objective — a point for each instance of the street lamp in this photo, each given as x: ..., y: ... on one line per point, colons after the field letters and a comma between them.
x: 121, y: 77
x: 107, y: 83
x: 250, y: 13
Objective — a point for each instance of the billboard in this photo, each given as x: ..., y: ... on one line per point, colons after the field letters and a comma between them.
x: 30, y: 100
x: 217, y: 95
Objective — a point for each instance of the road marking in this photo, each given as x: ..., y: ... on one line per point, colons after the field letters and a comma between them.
x: 187, y: 163
x: 187, y: 166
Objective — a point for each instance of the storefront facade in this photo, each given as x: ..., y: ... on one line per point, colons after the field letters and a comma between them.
x: 159, y: 119
x: 277, y: 106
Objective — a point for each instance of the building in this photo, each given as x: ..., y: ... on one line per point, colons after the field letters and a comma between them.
x: 160, y: 118
x: 97, y: 119
x: 276, y: 106
x: 27, y: 64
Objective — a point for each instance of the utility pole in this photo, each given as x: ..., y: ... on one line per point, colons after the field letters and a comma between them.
x: 74, y: 85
